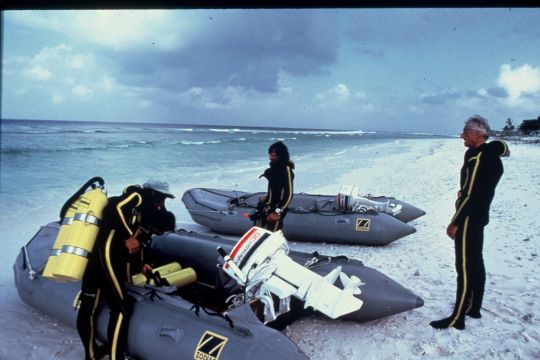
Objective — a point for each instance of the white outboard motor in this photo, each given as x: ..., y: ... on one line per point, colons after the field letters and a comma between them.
x: 260, y: 263
x: 349, y: 199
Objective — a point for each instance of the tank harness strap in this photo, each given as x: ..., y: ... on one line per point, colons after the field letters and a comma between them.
x: 86, y: 218
x: 55, y: 252
x: 70, y: 249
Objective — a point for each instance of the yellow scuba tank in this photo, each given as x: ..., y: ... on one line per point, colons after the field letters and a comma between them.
x: 168, y: 275
x: 180, y: 278
x: 60, y: 238
x: 140, y: 279
x: 83, y: 207
x: 82, y: 235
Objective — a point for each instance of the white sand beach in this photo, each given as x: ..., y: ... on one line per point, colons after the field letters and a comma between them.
x: 424, y: 173
x: 428, y: 175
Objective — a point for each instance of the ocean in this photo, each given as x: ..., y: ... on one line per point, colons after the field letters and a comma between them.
x: 45, y: 162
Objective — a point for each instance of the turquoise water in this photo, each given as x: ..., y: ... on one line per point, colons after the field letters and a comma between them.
x: 44, y: 162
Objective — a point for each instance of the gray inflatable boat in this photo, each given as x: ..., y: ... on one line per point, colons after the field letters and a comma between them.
x: 199, y: 320
x: 311, y: 218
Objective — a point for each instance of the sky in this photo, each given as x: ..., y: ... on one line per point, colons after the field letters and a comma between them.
x: 420, y: 70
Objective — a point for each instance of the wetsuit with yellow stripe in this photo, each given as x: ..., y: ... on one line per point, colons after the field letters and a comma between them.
x: 481, y: 171
x: 279, y: 196
x: 106, y: 276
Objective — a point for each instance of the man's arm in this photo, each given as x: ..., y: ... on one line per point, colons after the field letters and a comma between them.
x: 287, y: 189
x: 126, y: 225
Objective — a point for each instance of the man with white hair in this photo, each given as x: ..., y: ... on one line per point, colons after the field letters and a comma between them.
x: 482, y: 168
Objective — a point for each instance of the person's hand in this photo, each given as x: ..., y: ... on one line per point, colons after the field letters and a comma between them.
x: 132, y: 245
x: 451, y: 231
x: 272, y: 217
x: 146, y: 269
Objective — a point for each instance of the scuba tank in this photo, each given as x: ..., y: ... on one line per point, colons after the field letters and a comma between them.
x: 167, y: 275
x: 140, y: 279
x: 60, y: 238
x: 77, y: 235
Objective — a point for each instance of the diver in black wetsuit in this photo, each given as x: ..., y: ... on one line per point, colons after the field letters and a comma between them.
x: 272, y: 208
x: 128, y: 220
x: 481, y: 171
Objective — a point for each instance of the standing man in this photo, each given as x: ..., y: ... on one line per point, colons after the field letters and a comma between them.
x: 128, y: 220
x: 482, y: 168
x: 272, y: 208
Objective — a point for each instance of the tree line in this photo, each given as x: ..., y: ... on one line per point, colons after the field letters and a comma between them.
x: 527, y: 127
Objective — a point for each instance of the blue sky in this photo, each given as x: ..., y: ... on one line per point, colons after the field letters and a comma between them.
x: 423, y: 70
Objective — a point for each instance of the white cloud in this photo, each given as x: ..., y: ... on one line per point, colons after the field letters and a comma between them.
x: 144, y: 104
x: 77, y: 61
x: 360, y: 95
x: 284, y: 84
x: 69, y: 81
x: 417, y: 109
x: 21, y: 91
x: 108, y: 83
x: 58, y: 62
x: 341, y: 92
x: 39, y: 73
x: 338, y: 94
x: 119, y: 29
x: 55, y: 53
x: 230, y: 97
x: 340, y: 97
x: 57, y: 99
x: 195, y: 91
x: 71, y: 74
x: 81, y: 91
x: 482, y: 92
x: 472, y: 103
x: 519, y: 81
x: 368, y: 108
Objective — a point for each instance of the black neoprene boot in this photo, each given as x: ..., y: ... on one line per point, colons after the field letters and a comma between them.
x: 474, y: 314
x: 445, y: 323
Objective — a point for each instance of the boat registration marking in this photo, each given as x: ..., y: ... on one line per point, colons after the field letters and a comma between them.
x: 210, y: 346
x: 362, y: 224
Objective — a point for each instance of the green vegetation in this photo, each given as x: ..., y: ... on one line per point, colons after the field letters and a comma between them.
x: 526, y: 128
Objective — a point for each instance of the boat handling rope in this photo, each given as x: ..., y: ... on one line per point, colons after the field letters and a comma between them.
x: 32, y: 274
x: 197, y: 307
x: 290, y: 209
x: 321, y: 260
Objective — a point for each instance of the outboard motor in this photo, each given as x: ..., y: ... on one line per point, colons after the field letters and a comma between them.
x: 349, y: 199
x: 259, y: 262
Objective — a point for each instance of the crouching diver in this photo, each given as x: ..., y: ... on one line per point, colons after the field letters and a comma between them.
x: 482, y: 168
x: 272, y: 208
x: 128, y: 222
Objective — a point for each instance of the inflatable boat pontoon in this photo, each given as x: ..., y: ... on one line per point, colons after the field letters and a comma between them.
x: 310, y: 218
x: 223, y: 314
